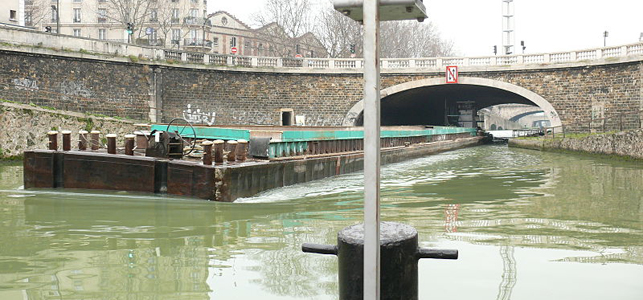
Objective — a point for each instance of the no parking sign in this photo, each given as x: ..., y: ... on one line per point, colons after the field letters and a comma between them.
x: 452, y: 74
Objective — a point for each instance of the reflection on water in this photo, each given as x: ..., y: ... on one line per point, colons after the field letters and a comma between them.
x: 528, y: 225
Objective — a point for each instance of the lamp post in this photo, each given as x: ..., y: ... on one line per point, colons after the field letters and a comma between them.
x: 56, y: 8
x: 371, y: 12
x: 605, y: 35
x: 205, y: 22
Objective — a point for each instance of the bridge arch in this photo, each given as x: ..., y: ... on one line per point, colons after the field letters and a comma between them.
x: 499, y: 88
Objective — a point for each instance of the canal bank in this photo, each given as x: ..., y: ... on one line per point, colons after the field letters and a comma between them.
x: 626, y: 144
x: 24, y: 127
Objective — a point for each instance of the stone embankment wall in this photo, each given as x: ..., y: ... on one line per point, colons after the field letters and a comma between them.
x: 626, y: 144
x: 158, y: 91
x: 24, y: 127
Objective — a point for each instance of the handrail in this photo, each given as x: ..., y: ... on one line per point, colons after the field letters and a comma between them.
x: 621, y: 121
x: 433, y: 62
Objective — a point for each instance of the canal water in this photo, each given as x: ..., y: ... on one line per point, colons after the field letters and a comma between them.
x: 528, y: 225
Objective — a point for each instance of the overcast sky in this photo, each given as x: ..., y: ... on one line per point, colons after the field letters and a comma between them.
x: 545, y: 25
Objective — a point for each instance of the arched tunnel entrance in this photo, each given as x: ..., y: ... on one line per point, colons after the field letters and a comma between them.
x: 432, y: 102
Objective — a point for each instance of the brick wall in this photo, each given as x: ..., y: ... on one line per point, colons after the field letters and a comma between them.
x: 75, y: 84
x: 220, y: 95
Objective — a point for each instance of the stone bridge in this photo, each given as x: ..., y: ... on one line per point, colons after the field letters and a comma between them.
x: 159, y: 85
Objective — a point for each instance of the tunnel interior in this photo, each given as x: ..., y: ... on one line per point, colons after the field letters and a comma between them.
x: 445, y: 105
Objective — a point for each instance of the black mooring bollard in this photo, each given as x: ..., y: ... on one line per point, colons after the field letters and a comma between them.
x: 399, y: 254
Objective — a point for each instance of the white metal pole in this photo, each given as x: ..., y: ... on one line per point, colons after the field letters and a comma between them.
x: 371, y: 150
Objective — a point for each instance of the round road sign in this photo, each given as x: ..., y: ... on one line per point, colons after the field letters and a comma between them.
x: 233, y: 50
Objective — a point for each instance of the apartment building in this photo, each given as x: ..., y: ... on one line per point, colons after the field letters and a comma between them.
x: 230, y: 34
x: 177, y: 24
x: 167, y: 23
x: 12, y: 12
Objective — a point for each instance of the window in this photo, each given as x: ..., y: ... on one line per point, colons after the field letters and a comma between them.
x: 215, y: 44
x: 153, y: 37
x: 76, y: 15
x: 297, y: 49
x: 176, y: 36
x: 193, y: 36
x: 102, y: 1
x: 102, y: 15
x: 260, y: 49
x: 76, y: 32
x: 154, y: 15
x: 194, y: 13
x: 175, y: 15
x: 224, y: 21
x: 13, y: 15
x: 78, y: 1
x: 102, y: 34
x: 28, y: 19
x: 233, y: 42
x: 54, y: 15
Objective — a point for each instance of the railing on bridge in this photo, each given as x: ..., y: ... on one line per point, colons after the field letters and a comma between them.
x: 613, y: 123
x: 416, y: 63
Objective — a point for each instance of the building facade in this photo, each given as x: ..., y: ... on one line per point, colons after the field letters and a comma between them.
x: 231, y: 36
x: 12, y: 12
x: 176, y: 24
x: 164, y: 23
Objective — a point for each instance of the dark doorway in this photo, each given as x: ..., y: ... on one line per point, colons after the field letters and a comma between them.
x: 286, y: 118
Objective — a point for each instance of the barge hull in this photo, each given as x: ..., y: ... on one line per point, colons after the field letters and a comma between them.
x: 220, y: 182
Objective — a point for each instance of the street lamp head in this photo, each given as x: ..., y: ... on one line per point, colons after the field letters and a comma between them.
x: 390, y: 10
x: 606, y: 34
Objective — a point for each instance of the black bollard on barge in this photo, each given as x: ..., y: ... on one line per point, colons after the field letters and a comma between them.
x: 399, y: 255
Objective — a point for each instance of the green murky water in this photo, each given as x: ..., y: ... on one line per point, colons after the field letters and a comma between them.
x: 528, y: 225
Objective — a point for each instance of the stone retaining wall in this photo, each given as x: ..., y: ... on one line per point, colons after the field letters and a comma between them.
x: 626, y: 144
x: 158, y: 91
x: 25, y: 127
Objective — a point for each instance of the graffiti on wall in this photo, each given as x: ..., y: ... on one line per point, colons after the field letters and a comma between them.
x: 196, y: 116
x: 75, y: 88
x: 351, y: 117
x: 252, y: 118
x: 25, y: 84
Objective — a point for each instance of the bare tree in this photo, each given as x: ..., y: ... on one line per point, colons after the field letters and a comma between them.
x: 294, y: 16
x: 412, y: 39
x: 135, y: 12
x: 37, y: 12
x: 341, y: 36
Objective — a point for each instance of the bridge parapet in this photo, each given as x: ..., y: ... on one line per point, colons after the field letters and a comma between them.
x: 411, y: 63
x: 86, y: 46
